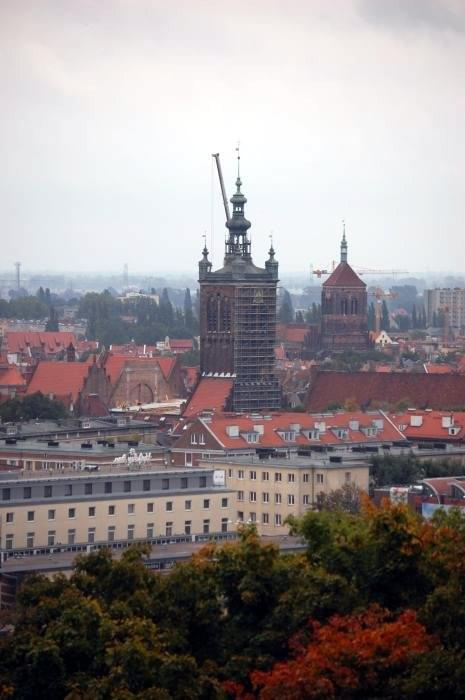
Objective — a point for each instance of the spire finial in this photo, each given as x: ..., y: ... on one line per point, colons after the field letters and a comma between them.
x: 343, y: 242
x: 238, y: 151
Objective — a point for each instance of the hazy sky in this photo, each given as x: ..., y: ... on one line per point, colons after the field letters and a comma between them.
x: 348, y: 109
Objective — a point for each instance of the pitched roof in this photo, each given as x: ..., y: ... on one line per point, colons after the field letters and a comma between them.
x: 114, y: 364
x: 11, y: 376
x: 211, y: 393
x: 181, y: 343
x: 344, y: 276
x: 50, y: 341
x: 284, y: 430
x: 440, y: 391
x: 292, y: 333
x: 431, y: 425
x: 62, y: 379
x: 432, y: 368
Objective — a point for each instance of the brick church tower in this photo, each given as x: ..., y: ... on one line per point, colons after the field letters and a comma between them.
x: 344, y: 323
x: 238, y: 317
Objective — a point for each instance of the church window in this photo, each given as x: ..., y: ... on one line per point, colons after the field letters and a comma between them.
x: 344, y: 307
x: 226, y: 315
x: 354, y: 306
x: 212, y: 315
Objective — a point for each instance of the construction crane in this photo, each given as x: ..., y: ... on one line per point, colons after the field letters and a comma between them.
x: 380, y: 295
x: 216, y: 156
x: 360, y: 271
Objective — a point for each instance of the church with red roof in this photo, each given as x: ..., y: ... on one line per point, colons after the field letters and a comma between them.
x: 344, y: 322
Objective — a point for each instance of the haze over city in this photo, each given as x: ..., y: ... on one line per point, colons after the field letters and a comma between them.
x: 346, y: 110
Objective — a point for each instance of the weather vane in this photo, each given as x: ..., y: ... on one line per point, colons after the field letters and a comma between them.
x: 238, y: 150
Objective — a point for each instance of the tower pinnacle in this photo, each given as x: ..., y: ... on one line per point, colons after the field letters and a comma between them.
x: 343, y: 243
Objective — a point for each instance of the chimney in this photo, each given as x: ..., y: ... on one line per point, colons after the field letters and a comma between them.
x: 71, y: 353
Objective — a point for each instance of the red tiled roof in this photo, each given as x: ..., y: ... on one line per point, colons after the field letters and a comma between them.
x: 181, y: 343
x: 344, y: 276
x: 51, y: 342
x: 271, y: 429
x: 62, y: 379
x: 440, y: 391
x: 431, y: 427
x: 211, y: 394
x: 292, y: 333
x: 11, y: 376
x: 114, y: 364
x: 431, y: 368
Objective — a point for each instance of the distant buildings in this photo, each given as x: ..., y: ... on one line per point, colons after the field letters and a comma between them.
x: 446, y: 301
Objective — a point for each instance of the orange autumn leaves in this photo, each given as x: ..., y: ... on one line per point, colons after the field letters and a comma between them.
x: 348, y: 654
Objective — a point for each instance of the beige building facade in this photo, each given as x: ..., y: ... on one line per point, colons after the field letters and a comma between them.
x: 267, y: 491
x: 43, y: 514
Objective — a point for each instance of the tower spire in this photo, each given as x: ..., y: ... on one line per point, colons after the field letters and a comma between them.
x: 238, y: 242
x: 343, y: 243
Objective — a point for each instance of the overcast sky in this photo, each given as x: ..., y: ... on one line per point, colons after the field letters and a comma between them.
x: 349, y: 109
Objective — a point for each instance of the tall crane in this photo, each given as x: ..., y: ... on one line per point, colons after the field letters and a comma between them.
x: 360, y: 271
x: 216, y: 156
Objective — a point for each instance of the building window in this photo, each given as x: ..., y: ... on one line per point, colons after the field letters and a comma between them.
x: 51, y: 538
x: 265, y: 497
x: 71, y: 512
x: 71, y: 536
x: 127, y: 487
x: 131, y: 532
x: 252, y: 475
x: 88, y: 489
x: 348, y: 477
x: 193, y: 439
x: 206, y: 527
x: 92, y: 512
x: 111, y: 510
x: 306, y: 499
x: 51, y: 514
x: 165, y: 484
x: 30, y: 539
x: 240, y: 516
x: 150, y: 530
x: 265, y: 476
x: 6, y: 494
x: 291, y: 478
x: 277, y: 519
x: 111, y: 533
x: 27, y: 492
x: 203, y: 482
x: 9, y: 539
x: 188, y: 459
x: 206, y: 503
x: 10, y: 517
x: 252, y: 496
x: 187, y: 505
x: 224, y: 524
x: 150, y: 508
x: 168, y: 529
x: 187, y: 527
x: 230, y: 473
x: 306, y: 478
x: 278, y: 476
x: 319, y: 478
x: 290, y: 499
x: 224, y: 502
x: 184, y: 482
x: 47, y: 491
x: 131, y: 508
x: 265, y: 518
x: 30, y: 516
x: 169, y: 506
x: 277, y: 498
x: 240, y: 474
x: 108, y: 487
x: 68, y: 489
x: 253, y: 517
x: 240, y: 495
x: 91, y: 535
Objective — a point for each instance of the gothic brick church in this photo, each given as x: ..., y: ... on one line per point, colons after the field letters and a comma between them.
x: 344, y: 308
x: 238, y: 317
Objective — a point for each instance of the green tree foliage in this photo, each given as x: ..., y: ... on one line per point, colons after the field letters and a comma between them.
x: 33, y: 406
x: 347, y: 498
x: 371, y: 317
x: 286, y: 310
x: 52, y: 323
x: 385, y: 322
x: 27, y: 307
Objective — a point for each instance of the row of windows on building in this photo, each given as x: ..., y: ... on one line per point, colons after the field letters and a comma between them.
x: 108, y: 487
x: 278, y: 498
x: 277, y: 519
x: 111, y: 510
x: 111, y: 533
x: 278, y: 476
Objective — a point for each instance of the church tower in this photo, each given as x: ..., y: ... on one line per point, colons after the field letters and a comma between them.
x: 344, y: 323
x: 238, y: 317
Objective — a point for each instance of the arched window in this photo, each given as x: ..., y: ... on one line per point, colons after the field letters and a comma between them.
x: 226, y: 315
x: 344, y: 307
x: 354, y: 306
x: 212, y: 315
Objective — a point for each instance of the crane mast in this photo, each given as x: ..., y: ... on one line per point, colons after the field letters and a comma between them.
x: 216, y: 156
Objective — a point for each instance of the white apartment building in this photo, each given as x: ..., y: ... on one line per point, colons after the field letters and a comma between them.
x: 453, y: 299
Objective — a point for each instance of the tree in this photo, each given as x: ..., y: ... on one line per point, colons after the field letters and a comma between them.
x: 166, y: 308
x: 33, y: 406
x: 414, y: 317
x: 286, y: 310
x: 189, y: 320
x: 52, y: 323
x: 385, y: 323
x: 371, y: 317
x: 299, y: 317
x: 347, y: 498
